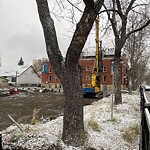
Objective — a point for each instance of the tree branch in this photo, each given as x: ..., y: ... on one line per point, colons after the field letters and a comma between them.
x: 81, y: 33
x: 89, y: 3
x: 74, y: 6
x: 138, y: 29
x: 98, y: 5
x: 52, y: 47
x: 112, y: 23
x: 119, y: 8
x: 139, y: 5
x: 129, y: 7
x: 110, y: 10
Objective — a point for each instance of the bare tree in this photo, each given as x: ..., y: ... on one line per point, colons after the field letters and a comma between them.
x: 136, y: 50
x: 37, y: 64
x: 118, y: 13
x: 69, y: 70
x: 147, y: 78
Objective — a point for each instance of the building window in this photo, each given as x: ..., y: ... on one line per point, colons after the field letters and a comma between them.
x: 50, y: 70
x: 55, y: 86
x: 104, y: 69
x: 45, y: 68
x: 88, y: 77
x: 49, y: 79
x: 104, y: 78
x: 13, y: 79
x: 60, y: 86
x: 56, y: 78
x: 87, y: 68
x: 90, y: 68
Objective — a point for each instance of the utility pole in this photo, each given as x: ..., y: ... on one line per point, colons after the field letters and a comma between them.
x: 112, y: 102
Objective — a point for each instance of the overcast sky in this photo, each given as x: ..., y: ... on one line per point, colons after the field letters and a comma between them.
x: 21, y: 32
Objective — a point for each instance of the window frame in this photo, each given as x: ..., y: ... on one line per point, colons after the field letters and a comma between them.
x: 104, y: 79
x: 104, y: 69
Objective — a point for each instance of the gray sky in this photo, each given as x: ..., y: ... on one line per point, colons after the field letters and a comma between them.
x: 21, y: 32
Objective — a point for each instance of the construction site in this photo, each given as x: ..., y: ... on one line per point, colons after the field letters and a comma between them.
x: 27, y: 104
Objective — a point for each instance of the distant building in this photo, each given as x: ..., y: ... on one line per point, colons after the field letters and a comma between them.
x: 3, y: 83
x: 20, y: 75
x: 50, y: 80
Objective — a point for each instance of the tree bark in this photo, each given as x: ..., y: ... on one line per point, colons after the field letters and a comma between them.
x: 73, y: 125
x: 117, y: 82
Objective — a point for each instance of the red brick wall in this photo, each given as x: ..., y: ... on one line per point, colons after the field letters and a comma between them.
x: 106, y: 63
x: 87, y: 72
x: 50, y: 77
x: 87, y: 65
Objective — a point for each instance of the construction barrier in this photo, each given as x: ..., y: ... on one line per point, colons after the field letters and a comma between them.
x: 145, y: 120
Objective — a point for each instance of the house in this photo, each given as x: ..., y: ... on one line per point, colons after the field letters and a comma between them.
x: 3, y: 82
x: 50, y: 80
x: 20, y: 75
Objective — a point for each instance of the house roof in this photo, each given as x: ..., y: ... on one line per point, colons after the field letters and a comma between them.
x: 12, y: 70
x: 2, y: 78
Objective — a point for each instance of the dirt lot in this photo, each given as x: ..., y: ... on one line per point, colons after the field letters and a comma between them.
x: 20, y: 107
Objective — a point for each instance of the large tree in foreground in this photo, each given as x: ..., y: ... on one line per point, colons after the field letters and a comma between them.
x: 69, y: 70
x: 119, y: 12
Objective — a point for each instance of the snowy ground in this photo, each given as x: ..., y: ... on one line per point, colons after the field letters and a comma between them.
x: 103, y: 133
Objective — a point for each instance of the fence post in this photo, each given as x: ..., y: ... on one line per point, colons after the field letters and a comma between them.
x: 1, y: 141
x: 141, y: 145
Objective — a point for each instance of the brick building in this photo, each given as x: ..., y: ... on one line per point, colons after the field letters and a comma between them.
x: 50, y: 80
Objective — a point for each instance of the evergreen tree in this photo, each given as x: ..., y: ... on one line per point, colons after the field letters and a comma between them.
x: 21, y: 62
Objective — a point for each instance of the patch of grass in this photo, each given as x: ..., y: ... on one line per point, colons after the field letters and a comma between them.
x: 131, y: 133
x: 125, y: 102
x: 15, y: 137
x: 34, y: 116
x: 113, y: 120
x: 136, y: 109
x: 94, y: 125
x: 84, y: 141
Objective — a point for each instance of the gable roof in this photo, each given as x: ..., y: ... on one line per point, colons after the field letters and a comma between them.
x: 12, y: 70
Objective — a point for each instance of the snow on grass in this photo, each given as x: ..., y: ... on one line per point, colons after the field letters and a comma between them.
x: 111, y: 134
x: 102, y: 132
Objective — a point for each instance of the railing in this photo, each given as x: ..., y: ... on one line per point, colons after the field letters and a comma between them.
x: 0, y: 140
x: 145, y: 120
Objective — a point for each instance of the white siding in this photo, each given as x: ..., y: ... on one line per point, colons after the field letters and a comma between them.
x: 28, y: 77
x: 9, y: 80
x: 3, y: 82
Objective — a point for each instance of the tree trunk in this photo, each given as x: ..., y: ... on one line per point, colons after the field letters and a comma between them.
x: 73, y: 126
x: 117, y: 82
x: 69, y: 71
